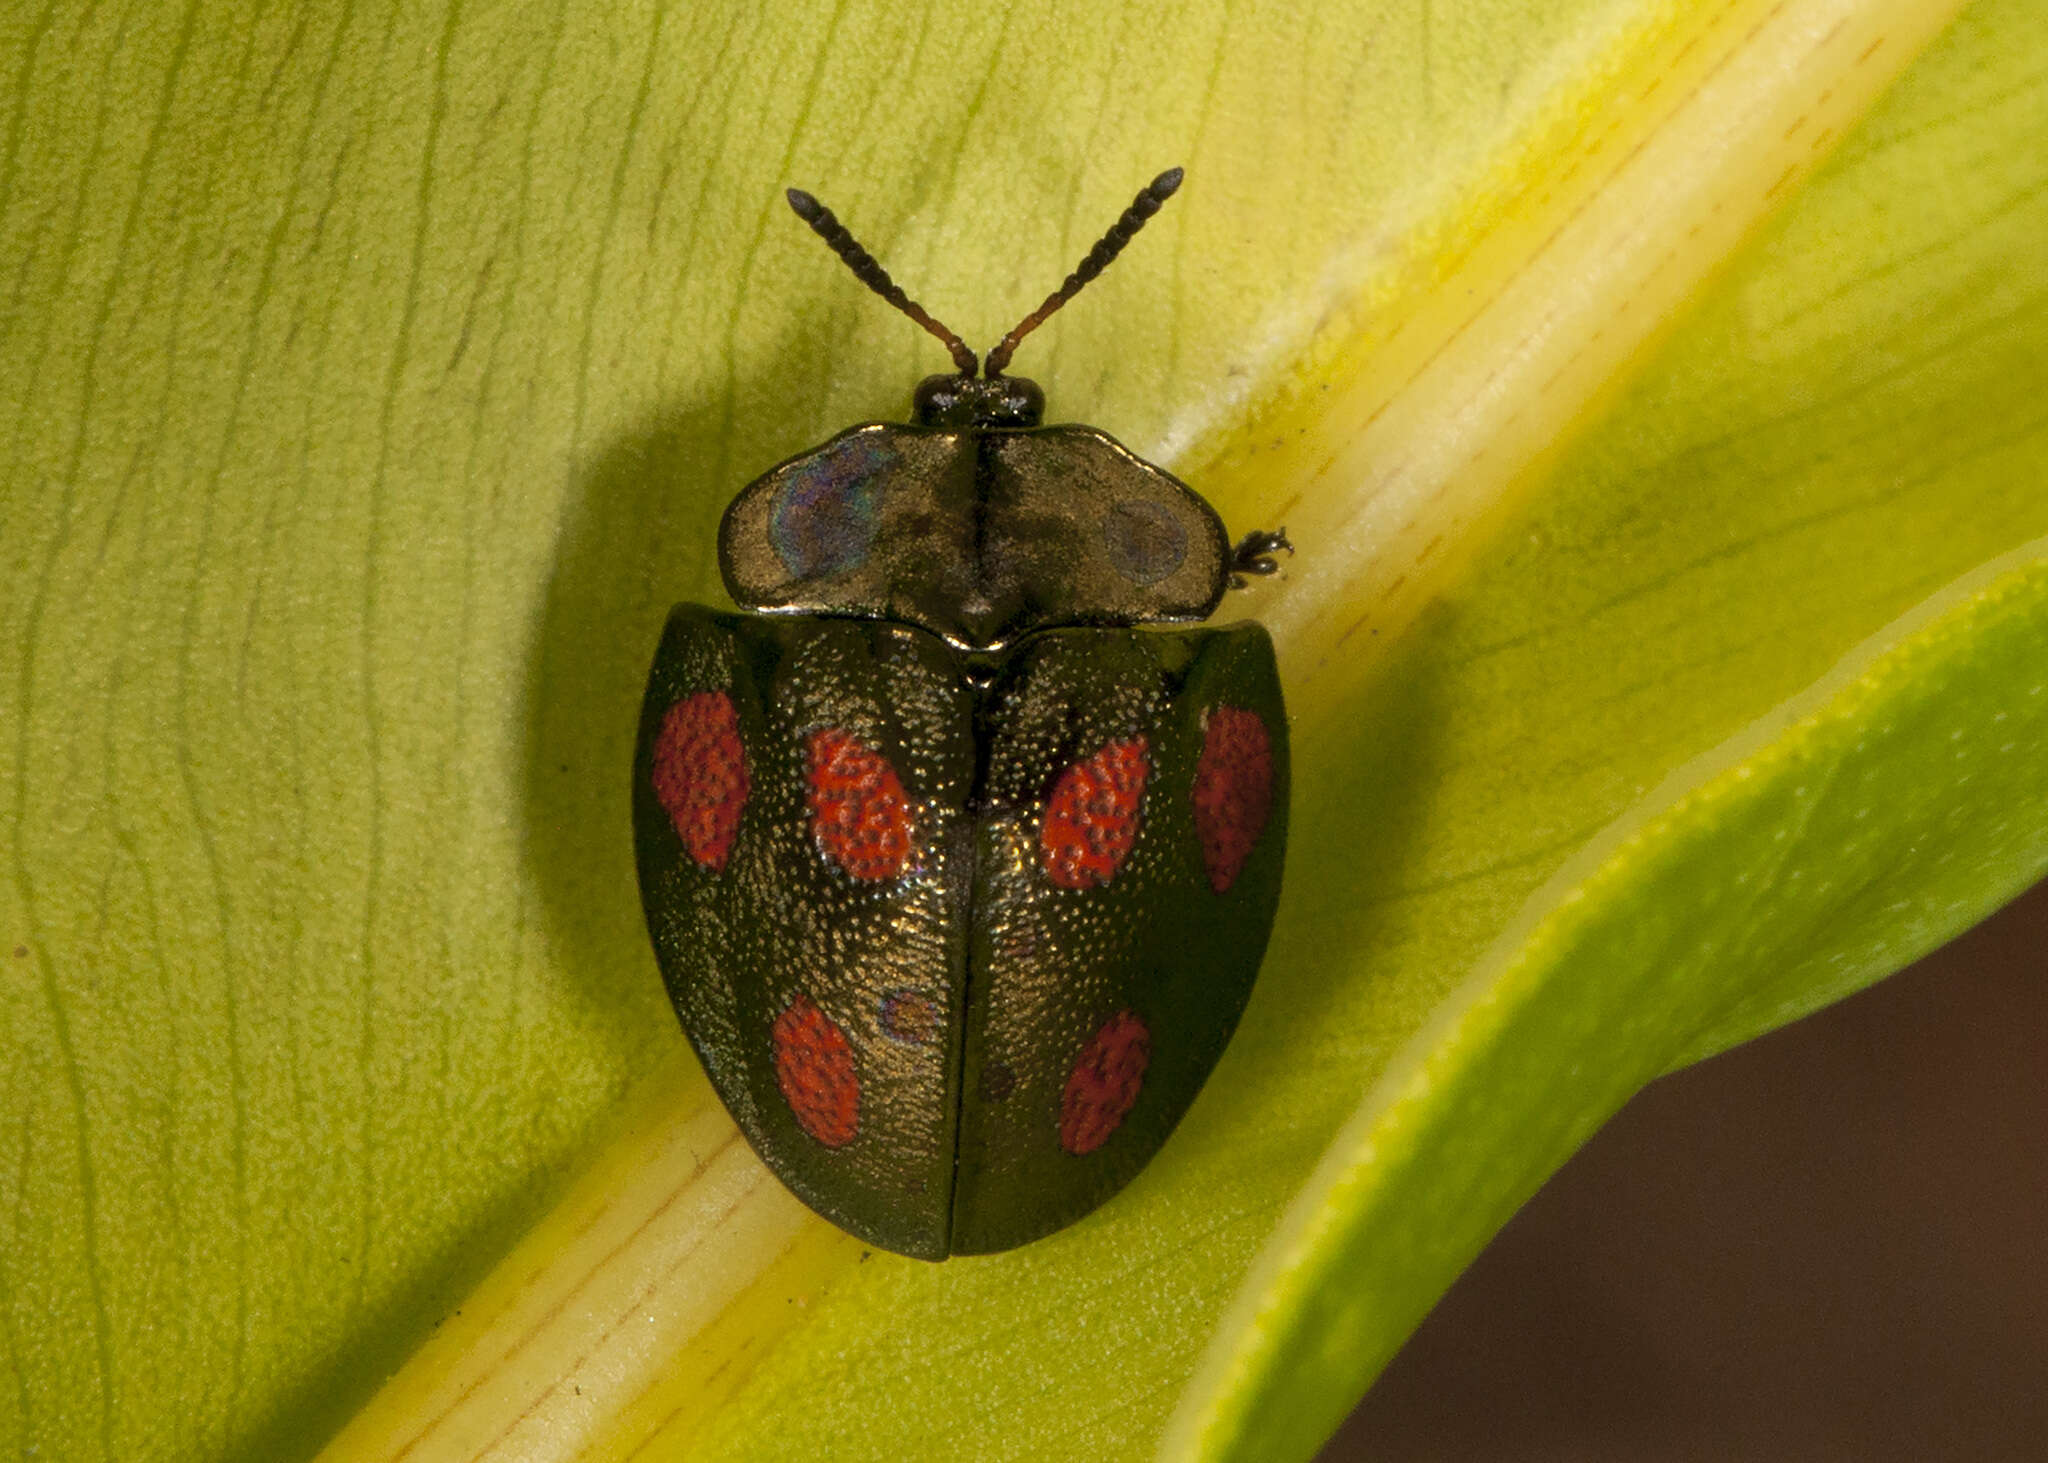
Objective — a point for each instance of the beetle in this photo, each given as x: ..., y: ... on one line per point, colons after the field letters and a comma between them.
x: 959, y: 879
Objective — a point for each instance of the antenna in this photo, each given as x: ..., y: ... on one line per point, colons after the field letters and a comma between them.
x: 1106, y: 248
x: 876, y: 278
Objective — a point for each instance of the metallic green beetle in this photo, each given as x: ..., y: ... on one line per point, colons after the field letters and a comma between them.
x: 958, y: 881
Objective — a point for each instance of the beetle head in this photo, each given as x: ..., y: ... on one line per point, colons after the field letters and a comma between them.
x: 953, y: 400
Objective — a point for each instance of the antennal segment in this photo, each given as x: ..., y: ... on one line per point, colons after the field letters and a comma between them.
x: 827, y: 227
x: 1106, y: 248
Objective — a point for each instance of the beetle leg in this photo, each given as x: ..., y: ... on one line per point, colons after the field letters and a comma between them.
x: 1254, y: 555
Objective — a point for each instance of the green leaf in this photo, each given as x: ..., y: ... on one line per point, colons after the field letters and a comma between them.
x: 371, y: 382
x: 1846, y: 832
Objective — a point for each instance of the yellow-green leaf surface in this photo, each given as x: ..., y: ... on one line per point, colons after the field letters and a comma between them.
x: 1656, y: 398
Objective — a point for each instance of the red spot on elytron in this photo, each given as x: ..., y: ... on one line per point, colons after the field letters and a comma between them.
x: 814, y: 1069
x: 700, y: 774
x: 1233, y: 792
x: 1104, y: 1083
x: 858, y: 810
x: 1091, y: 819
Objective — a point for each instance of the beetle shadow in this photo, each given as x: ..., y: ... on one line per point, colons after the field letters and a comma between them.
x: 584, y: 667
x: 337, y: 1378
x: 637, y: 521
x: 638, y: 531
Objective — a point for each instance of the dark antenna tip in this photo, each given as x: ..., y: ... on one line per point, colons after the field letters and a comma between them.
x: 871, y: 274
x: 1106, y: 248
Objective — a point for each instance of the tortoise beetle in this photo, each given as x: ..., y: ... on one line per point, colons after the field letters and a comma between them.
x: 957, y: 880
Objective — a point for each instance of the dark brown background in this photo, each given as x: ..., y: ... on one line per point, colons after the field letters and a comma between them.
x: 1826, y: 1245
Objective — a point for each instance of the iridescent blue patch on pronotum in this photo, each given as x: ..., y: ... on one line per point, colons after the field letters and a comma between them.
x: 823, y: 521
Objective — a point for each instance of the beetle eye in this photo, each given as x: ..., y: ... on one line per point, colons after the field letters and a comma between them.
x: 1023, y: 402
x: 938, y: 400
